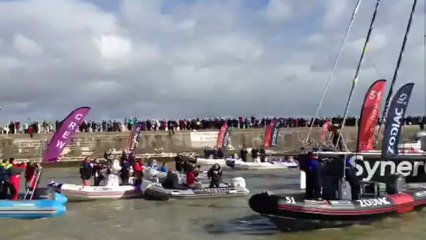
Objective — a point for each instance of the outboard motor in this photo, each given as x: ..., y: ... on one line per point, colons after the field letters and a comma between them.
x: 422, y: 136
x: 43, y: 193
x: 238, y: 182
x: 54, y: 186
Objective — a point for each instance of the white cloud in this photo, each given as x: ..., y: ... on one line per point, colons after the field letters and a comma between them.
x: 204, y: 58
x: 279, y: 10
x: 27, y: 46
x: 113, y: 47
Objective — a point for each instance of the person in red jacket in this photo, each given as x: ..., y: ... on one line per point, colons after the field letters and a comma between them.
x: 190, y: 179
x: 15, y: 179
x: 31, y: 180
x: 138, y: 171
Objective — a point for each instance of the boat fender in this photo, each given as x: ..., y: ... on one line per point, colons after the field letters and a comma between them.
x: 264, y: 203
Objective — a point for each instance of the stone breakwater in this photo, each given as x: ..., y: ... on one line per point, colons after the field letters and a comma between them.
x: 164, y: 143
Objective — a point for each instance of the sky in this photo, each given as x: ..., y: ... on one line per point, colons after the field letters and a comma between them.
x: 199, y: 58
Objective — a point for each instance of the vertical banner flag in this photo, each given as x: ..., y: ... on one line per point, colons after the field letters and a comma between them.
x: 63, y: 135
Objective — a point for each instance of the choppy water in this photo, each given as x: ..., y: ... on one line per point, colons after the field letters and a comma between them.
x: 192, y: 219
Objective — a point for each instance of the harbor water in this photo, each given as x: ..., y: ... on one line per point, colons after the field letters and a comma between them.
x: 193, y: 219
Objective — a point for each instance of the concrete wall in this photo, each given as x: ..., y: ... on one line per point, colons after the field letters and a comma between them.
x: 291, y: 139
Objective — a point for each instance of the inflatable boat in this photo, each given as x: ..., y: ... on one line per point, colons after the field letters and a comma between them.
x: 45, y: 204
x: 210, y: 161
x: 76, y: 192
x: 237, y: 188
x: 293, y: 213
x: 267, y: 165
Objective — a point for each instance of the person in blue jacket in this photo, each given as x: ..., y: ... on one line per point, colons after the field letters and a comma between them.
x: 313, y: 181
x: 163, y: 168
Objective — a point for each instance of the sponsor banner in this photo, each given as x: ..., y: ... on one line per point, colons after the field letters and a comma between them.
x: 222, y: 138
x: 211, y: 190
x: 394, y: 120
x: 370, y: 116
x: 413, y: 169
x: 373, y: 202
x: 203, y: 139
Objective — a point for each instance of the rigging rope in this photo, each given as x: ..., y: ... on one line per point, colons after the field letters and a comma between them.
x: 354, y: 81
x: 355, y: 11
x: 395, y: 74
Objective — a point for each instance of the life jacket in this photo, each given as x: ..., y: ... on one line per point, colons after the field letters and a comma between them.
x: 4, y: 173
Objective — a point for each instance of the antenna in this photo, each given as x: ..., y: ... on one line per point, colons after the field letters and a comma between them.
x: 398, y: 64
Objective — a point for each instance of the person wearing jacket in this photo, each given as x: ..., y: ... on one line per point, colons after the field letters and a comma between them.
x: 138, y: 168
x: 5, y: 168
x: 30, y: 175
x: 15, y: 179
x: 163, y: 168
x: 313, y: 181
x: 215, y: 175
x: 86, y: 171
x: 125, y: 169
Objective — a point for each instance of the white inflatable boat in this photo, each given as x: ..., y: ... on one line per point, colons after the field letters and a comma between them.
x: 211, y: 161
x: 237, y: 188
x: 111, y: 190
x: 257, y: 165
x: 78, y: 192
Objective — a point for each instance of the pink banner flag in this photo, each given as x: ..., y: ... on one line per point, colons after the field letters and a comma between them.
x: 63, y: 135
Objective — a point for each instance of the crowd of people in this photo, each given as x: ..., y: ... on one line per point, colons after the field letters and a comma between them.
x: 17, y: 127
x: 127, y: 167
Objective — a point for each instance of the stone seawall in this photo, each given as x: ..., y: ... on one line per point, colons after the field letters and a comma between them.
x: 83, y: 144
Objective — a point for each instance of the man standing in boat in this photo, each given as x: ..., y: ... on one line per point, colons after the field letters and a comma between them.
x: 313, y: 181
x: 215, y: 175
x: 86, y: 171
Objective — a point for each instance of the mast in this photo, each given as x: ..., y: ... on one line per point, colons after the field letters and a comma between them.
x: 395, y: 74
x: 348, y: 29
x: 354, y: 81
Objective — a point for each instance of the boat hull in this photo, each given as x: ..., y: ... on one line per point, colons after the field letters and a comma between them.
x: 241, y: 165
x: 157, y: 192
x: 34, y: 209
x: 83, y: 193
x: 211, y: 161
x: 292, y: 213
